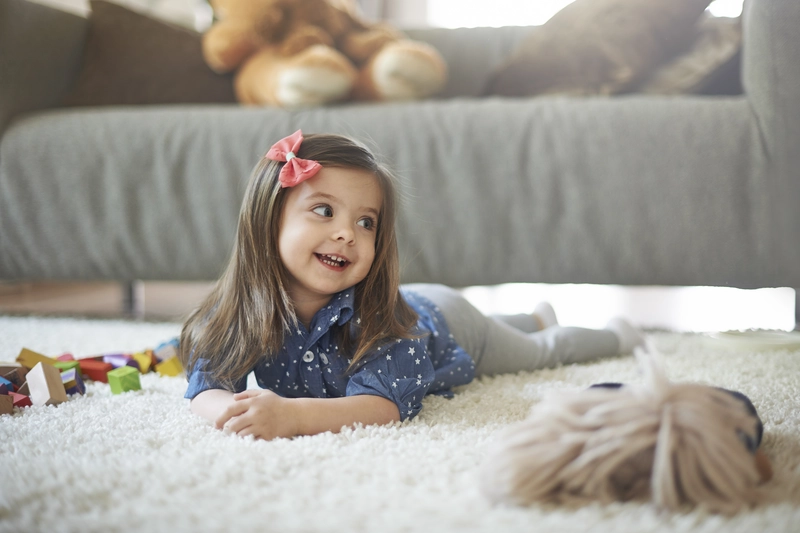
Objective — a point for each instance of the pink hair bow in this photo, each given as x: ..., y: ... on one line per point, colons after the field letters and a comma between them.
x: 295, y: 170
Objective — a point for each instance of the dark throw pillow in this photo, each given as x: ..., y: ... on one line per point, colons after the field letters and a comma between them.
x: 712, y: 66
x: 133, y: 59
x: 598, y: 47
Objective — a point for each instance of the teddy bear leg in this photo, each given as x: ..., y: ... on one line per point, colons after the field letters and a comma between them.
x: 315, y: 76
x: 401, y: 70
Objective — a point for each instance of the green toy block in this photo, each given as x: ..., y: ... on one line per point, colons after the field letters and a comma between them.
x: 124, y: 378
x: 67, y: 365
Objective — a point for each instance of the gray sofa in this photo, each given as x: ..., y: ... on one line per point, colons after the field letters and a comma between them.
x: 631, y: 190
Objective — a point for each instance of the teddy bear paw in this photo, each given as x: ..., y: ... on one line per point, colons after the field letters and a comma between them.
x: 318, y: 76
x: 406, y: 70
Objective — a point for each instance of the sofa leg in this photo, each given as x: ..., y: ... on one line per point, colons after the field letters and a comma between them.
x: 133, y: 298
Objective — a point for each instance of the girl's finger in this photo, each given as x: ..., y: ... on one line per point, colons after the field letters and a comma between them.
x: 234, y: 409
x: 245, y: 394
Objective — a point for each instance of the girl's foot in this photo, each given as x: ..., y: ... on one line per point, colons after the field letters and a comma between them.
x: 629, y: 337
x: 545, y: 315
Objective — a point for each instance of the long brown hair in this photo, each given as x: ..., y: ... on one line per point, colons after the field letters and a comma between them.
x: 245, y: 316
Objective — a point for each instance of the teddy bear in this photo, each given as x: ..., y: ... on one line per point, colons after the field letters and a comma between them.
x: 298, y: 53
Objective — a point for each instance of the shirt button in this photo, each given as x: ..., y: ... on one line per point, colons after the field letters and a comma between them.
x: 323, y: 358
x: 308, y: 356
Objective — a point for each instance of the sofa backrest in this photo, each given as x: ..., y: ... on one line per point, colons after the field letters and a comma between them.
x: 471, y: 54
x: 40, y: 54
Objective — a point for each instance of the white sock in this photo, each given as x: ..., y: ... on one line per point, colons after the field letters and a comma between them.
x: 546, y: 315
x: 629, y: 337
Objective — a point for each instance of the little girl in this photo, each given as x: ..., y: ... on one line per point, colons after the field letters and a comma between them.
x: 310, y: 302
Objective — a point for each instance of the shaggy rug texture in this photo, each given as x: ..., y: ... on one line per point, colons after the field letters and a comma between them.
x: 140, y: 461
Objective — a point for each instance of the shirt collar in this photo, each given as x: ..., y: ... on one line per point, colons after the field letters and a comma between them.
x: 339, y: 310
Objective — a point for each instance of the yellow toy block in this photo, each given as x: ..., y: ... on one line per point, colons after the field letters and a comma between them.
x: 170, y: 367
x: 144, y: 361
x: 29, y: 358
x: 46, y: 387
x: 123, y: 379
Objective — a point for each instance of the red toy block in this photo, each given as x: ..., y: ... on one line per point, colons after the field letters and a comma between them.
x: 95, y: 370
x: 20, y: 400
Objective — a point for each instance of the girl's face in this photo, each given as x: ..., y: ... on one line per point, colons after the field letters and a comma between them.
x: 328, y: 231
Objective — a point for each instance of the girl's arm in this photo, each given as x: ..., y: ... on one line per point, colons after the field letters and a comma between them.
x: 211, y: 403
x: 265, y: 415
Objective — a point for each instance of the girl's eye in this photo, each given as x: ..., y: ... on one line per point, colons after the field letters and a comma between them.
x: 367, y: 223
x: 323, y: 211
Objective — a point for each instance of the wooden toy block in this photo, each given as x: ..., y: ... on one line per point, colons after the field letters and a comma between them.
x: 145, y: 361
x: 21, y: 400
x: 29, y: 358
x: 5, y: 390
x: 6, y: 405
x: 67, y: 365
x: 73, y: 382
x: 45, y: 384
x: 124, y: 378
x: 95, y: 370
x: 166, y: 350
x: 8, y: 366
x: 16, y: 375
x: 24, y: 390
x: 7, y: 384
x: 170, y: 367
x: 65, y: 357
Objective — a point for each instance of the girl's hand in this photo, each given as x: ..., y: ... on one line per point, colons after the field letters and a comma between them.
x: 260, y: 413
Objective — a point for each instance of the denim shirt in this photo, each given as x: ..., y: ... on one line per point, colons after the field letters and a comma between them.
x: 310, y: 363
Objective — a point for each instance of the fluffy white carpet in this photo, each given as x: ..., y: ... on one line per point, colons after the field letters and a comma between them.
x: 141, y: 462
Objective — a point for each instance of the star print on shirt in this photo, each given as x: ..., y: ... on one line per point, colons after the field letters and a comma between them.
x: 404, y: 371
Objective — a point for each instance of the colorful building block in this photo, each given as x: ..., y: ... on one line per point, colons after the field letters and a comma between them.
x: 24, y: 390
x: 67, y: 365
x: 5, y: 390
x: 65, y: 357
x: 16, y: 375
x: 6, y: 405
x: 145, y: 361
x: 44, y: 382
x: 170, y: 367
x: 29, y: 358
x: 166, y: 350
x: 21, y: 400
x: 8, y: 385
x: 118, y: 360
x: 95, y: 370
x: 124, y: 378
x: 73, y: 382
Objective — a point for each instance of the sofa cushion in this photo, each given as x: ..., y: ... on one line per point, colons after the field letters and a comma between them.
x: 598, y: 47
x: 131, y: 58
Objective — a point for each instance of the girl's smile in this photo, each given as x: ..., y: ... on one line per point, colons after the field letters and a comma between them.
x: 327, y: 235
x: 335, y: 262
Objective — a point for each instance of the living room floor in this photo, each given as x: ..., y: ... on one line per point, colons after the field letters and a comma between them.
x: 670, y: 308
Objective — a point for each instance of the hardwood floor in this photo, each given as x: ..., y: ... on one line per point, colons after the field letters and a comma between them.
x: 168, y: 301
x: 676, y: 308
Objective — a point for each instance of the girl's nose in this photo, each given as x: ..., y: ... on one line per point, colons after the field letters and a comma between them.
x: 344, y: 233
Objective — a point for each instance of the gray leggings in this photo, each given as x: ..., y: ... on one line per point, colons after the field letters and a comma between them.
x: 501, y: 344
